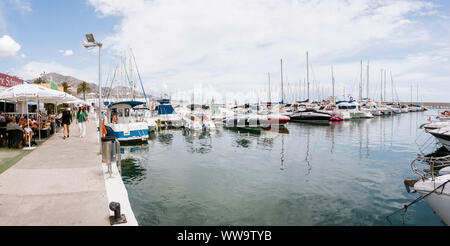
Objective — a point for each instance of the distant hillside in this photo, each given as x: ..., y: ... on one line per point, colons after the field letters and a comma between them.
x: 74, y: 82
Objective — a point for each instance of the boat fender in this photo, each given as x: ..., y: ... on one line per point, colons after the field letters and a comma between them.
x: 444, y: 171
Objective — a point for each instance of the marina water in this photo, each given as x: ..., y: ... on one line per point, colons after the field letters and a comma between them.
x: 348, y: 173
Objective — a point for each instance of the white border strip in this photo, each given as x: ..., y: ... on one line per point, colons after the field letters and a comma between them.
x: 116, y: 192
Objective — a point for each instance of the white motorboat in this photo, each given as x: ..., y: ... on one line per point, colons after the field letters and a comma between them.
x: 435, y: 125
x: 442, y: 135
x: 404, y: 109
x: 122, y: 126
x: 396, y: 110
x: 352, y: 108
x: 366, y: 114
x: 386, y: 110
x: 310, y: 115
x: 246, y: 121
x: 166, y: 115
x: 437, y: 192
x: 192, y: 124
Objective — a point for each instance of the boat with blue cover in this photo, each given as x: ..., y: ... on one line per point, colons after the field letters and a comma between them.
x: 166, y: 114
x: 122, y: 126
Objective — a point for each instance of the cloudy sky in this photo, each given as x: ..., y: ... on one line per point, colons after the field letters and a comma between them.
x: 229, y: 46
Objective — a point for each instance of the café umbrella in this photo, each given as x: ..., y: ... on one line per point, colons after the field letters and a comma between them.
x: 31, y: 92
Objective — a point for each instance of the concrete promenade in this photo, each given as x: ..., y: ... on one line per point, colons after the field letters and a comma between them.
x: 59, y: 183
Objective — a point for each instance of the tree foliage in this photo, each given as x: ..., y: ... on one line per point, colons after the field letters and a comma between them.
x: 65, y: 86
x: 83, y: 88
x: 39, y: 81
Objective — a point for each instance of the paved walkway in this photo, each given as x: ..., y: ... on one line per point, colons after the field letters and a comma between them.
x: 59, y: 183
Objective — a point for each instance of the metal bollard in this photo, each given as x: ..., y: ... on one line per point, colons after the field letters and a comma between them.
x: 117, y: 218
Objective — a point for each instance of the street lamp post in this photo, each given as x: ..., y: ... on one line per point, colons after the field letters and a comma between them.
x: 92, y: 43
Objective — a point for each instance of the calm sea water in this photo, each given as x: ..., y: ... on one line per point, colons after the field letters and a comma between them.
x: 350, y: 173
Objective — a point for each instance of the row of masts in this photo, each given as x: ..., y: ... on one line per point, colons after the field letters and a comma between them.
x: 126, y: 78
x: 383, y: 87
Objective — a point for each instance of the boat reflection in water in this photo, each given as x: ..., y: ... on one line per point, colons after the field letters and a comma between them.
x: 133, y: 163
x: 165, y: 137
x: 198, y: 141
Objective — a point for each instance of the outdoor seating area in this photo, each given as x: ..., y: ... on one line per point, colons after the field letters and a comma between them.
x: 31, y: 122
x: 16, y: 129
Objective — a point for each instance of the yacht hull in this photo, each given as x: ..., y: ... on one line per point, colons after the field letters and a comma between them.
x: 438, y: 200
x: 128, y: 136
x: 443, y: 138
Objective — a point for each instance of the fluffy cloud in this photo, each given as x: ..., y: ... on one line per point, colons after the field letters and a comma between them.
x: 8, y: 47
x: 233, y: 44
x: 66, y: 52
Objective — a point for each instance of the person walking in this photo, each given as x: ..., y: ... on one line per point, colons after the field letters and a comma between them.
x: 66, y: 120
x: 82, y: 117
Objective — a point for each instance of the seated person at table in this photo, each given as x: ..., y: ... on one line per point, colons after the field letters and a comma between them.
x: 28, y: 133
x: 43, y: 117
x: 34, y: 124
x: 22, y: 122
x: 12, y: 125
x: 48, y: 122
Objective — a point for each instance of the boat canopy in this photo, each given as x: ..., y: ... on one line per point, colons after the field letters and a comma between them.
x: 131, y: 103
x: 165, y: 109
x: 164, y: 101
x: 350, y: 101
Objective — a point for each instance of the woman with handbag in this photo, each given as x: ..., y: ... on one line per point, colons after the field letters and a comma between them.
x: 82, y: 117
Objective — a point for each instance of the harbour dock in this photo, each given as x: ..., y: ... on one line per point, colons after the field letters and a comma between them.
x: 59, y: 183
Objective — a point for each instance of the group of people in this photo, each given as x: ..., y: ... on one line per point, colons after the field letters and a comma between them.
x: 29, y: 126
x: 81, y: 119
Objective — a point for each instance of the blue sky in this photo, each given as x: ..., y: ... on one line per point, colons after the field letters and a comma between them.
x: 228, y: 47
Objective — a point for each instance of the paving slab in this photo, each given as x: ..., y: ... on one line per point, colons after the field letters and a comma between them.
x: 59, y: 183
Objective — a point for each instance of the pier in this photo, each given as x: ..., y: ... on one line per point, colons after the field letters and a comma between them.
x: 59, y: 183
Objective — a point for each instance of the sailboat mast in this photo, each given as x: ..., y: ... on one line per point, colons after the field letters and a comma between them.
x: 385, y: 98
x: 332, y: 85
x: 392, y: 85
x: 131, y: 76
x: 360, y: 84
x: 367, y: 80
x: 411, y: 93
x: 417, y: 93
x: 381, y: 90
x: 270, y: 96
x: 307, y: 74
x: 282, y: 92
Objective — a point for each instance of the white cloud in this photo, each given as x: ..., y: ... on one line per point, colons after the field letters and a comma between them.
x: 66, y: 52
x: 232, y: 44
x: 8, y: 47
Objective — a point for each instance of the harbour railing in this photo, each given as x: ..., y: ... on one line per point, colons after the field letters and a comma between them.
x: 434, y: 164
